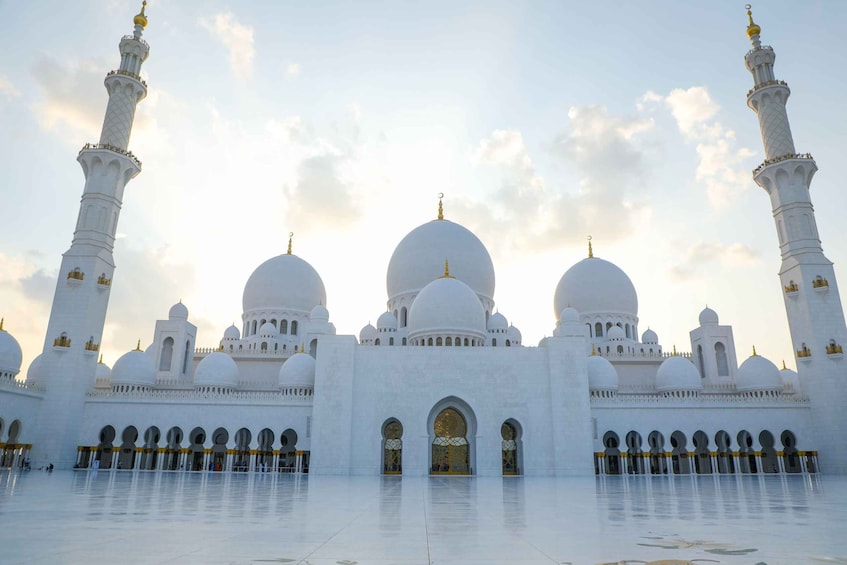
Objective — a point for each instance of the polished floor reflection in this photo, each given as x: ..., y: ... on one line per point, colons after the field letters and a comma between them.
x: 182, y: 518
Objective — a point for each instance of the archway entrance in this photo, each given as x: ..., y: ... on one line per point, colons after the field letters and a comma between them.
x: 509, y: 447
x: 392, y: 448
x: 450, y: 448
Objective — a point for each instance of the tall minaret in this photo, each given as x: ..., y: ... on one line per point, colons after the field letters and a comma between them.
x: 69, y: 358
x: 812, y: 301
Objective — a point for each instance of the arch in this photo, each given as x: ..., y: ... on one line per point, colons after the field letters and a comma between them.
x: 242, y: 450
x: 150, y: 452
x: 439, y: 342
x: 392, y: 447
x: 746, y: 454
x: 404, y: 314
x: 186, y: 359
x: 167, y: 354
x: 253, y: 331
x: 103, y: 457
x: 612, y: 453
x: 679, y: 454
x: 265, y: 453
x: 635, y: 457
x: 283, y: 326
x: 294, y: 327
x: 770, y: 462
x: 658, y: 459
x: 173, y: 452
x: 377, y: 341
x: 288, y: 451
x: 196, y: 450
x: 511, y: 448
x: 313, y: 347
x: 702, y: 455
x: 452, y: 426
x: 701, y: 363
x: 720, y: 358
x: 218, y: 455
x: 598, y: 329
x: 790, y: 455
x: 726, y: 461
x: 126, y: 459
x: 628, y: 331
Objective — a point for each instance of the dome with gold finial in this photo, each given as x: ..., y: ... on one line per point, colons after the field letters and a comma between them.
x: 10, y: 353
x: 752, y: 27
x: 141, y: 19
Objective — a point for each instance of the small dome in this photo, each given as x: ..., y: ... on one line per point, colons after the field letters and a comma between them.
x: 514, y: 334
x: 134, y: 368
x: 649, y: 337
x: 178, y: 312
x: 284, y: 282
x: 708, y: 316
x: 616, y: 333
x: 601, y: 374
x: 319, y: 314
x: 498, y: 322
x: 447, y: 306
x: 677, y: 373
x: 596, y: 286
x: 569, y: 315
x: 368, y: 333
x: 11, y: 355
x: 790, y: 381
x: 33, y: 373
x: 216, y: 369
x: 758, y: 373
x: 268, y: 330
x: 386, y: 321
x: 232, y: 333
x: 298, y: 370
x: 419, y: 259
x: 103, y: 372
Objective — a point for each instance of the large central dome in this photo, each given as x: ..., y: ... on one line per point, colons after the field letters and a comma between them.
x: 284, y: 282
x: 596, y: 286
x: 419, y: 259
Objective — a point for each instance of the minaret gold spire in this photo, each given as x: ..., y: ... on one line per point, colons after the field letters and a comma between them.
x: 140, y: 19
x: 1, y: 324
x: 138, y: 346
x: 100, y: 362
x: 755, y: 354
x: 590, y: 250
x: 290, y: 237
x: 784, y: 368
x: 440, y: 206
x: 752, y: 27
x: 446, y: 274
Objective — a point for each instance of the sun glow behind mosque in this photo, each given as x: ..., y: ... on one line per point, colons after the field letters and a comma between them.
x: 532, y: 144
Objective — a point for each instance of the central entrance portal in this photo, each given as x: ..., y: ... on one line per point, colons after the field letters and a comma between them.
x: 450, y: 449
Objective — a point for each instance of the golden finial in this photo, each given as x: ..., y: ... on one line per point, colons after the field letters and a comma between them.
x: 290, y: 237
x: 784, y: 368
x: 754, y: 352
x: 1, y: 324
x: 138, y: 347
x: 675, y: 354
x: 440, y: 206
x: 752, y: 28
x: 141, y: 19
x: 447, y: 274
x: 100, y: 362
x: 590, y: 250
x: 221, y: 346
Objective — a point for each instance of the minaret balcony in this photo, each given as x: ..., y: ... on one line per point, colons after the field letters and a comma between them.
x: 781, y: 158
x: 91, y: 347
x: 76, y: 274
x: 113, y: 149
x: 764, y: 84
x: 128, y: 74
x: 804, y: 354
x: 61, y: 343
x: 103, y: 281
x: 820, y: 284
x: 791, y: 289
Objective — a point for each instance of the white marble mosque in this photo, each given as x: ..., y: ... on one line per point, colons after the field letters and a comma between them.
x: 443, y: 384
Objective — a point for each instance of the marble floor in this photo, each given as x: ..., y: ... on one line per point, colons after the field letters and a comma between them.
x: 184, y: 518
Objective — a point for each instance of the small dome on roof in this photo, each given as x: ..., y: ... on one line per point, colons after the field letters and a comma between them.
x: 446, y: 306
x: 368, y: 333
x: 33, y: 373
x: 569, y: 315
x: 216, y: 369
x: 514, y: 334
x: 649, y: 337
x: 268, y: 330
x: 601, y: 374
x: 758, y: 373
x: 134, y: 368
x: 319, y: 314
x: 616, y: 333
x: 178, y: 312
x: 103, y: 372
x: 232, y: 333
x: 497, y: 322
x: 10, y: 353
x: 790, y: 380
x: 708, y: 316
x: 297, y: 371
x: 284, y: 282
x: 386, y: 321
x: 596, y: 286
x: 677, y: 373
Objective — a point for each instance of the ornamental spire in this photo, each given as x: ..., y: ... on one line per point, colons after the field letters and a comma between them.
x: 447, y: 274
x: 753, y: 30
x: 1, y: 324
x: 141, y: 19
x: 756, y: 354
x: 590, y: 250
x: 290, y: 238
x: 138, y: 346
x: 440, y: 206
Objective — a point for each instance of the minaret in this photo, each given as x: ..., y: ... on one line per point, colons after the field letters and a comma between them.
x: 69, y: 358
x: 812, y: 301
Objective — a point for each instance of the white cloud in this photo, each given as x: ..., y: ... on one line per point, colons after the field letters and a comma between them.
x: 321, y: 197
x: 237, y: 38
x: 292, y: 69
x: 71, y: 95
x: 8, y: 89
x: 702, y: 254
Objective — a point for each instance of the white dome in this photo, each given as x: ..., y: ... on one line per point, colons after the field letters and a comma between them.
x: 601, y: 374
x: 616, y: 333
x: 216, y: 369
x: 134, y: 368
x: 34, y: 375
x: 594, y: 285
x: 298, y: 370
x: 677, y: 373
x: 419, y: 259
x: 386, y: 321
x: 178, y: 312
x: 446, y: 306
x: 514, y: 334
x: 268, y: 330
x: 790, y: 380
x: 497, y: 322
x: 103, y: 372
x: 708, y: 316
x: 284, y: 282
x: 368, y: 333
x: 319, y: 314
x: 232, y: 333
x: 649, y: 337
x: 569, y: 316
x: 757, y: 373
x: 10, y: 353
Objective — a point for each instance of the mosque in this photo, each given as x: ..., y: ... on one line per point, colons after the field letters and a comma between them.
x: 443, y: 384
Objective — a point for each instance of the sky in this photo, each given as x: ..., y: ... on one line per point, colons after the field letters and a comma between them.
x: 541, y: 122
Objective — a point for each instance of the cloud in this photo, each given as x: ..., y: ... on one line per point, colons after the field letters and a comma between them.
x: 237, y: 38
x: 292, y: 69
x: 71, y: 95
x: 8, y: 89
x: 320, y: 196
x: 721, y: 166
x: 702, y: 254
